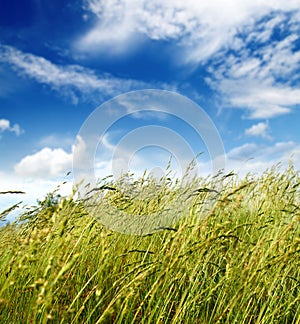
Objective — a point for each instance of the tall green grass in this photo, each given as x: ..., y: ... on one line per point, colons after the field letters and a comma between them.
x: 235, y: 262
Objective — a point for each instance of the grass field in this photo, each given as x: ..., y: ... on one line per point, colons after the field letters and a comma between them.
x: 237, y: 261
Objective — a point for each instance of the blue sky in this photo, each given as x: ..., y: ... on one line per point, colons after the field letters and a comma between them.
x: 59, y: 60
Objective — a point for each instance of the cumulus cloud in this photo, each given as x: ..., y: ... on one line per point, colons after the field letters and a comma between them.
x: 261, y: 129
x: 46, y: 163
x: 73, y: 81
x: 50, y: 163
x: 5, y: 126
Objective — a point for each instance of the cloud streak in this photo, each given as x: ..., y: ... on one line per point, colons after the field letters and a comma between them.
x: 73, y: 81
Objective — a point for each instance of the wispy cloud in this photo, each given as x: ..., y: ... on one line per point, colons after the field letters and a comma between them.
x: 260, y: 74
x: 261, y: 129
x: 73, y: 81
x: 6, y: 126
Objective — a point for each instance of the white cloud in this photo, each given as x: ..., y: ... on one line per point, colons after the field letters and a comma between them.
x: 260, y: 129
x: 250, y: 69
x: 68, y: 80
x: 51, y: 163
x: 260, y: 78
x: 201, y: 28
x: 38, y: 174
x: 48, y: 163
x: 5, y: 126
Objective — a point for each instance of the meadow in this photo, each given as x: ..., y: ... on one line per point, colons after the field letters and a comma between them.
x: 236, y: 260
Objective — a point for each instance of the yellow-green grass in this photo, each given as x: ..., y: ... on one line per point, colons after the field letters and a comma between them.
x: 235, y: 262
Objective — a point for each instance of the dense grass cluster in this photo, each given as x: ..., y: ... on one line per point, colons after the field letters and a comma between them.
x: 237, y: 263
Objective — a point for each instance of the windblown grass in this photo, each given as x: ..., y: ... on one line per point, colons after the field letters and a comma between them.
x: 237, y: 263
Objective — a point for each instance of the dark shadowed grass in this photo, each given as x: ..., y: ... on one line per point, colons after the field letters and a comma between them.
x: 237, y: 263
